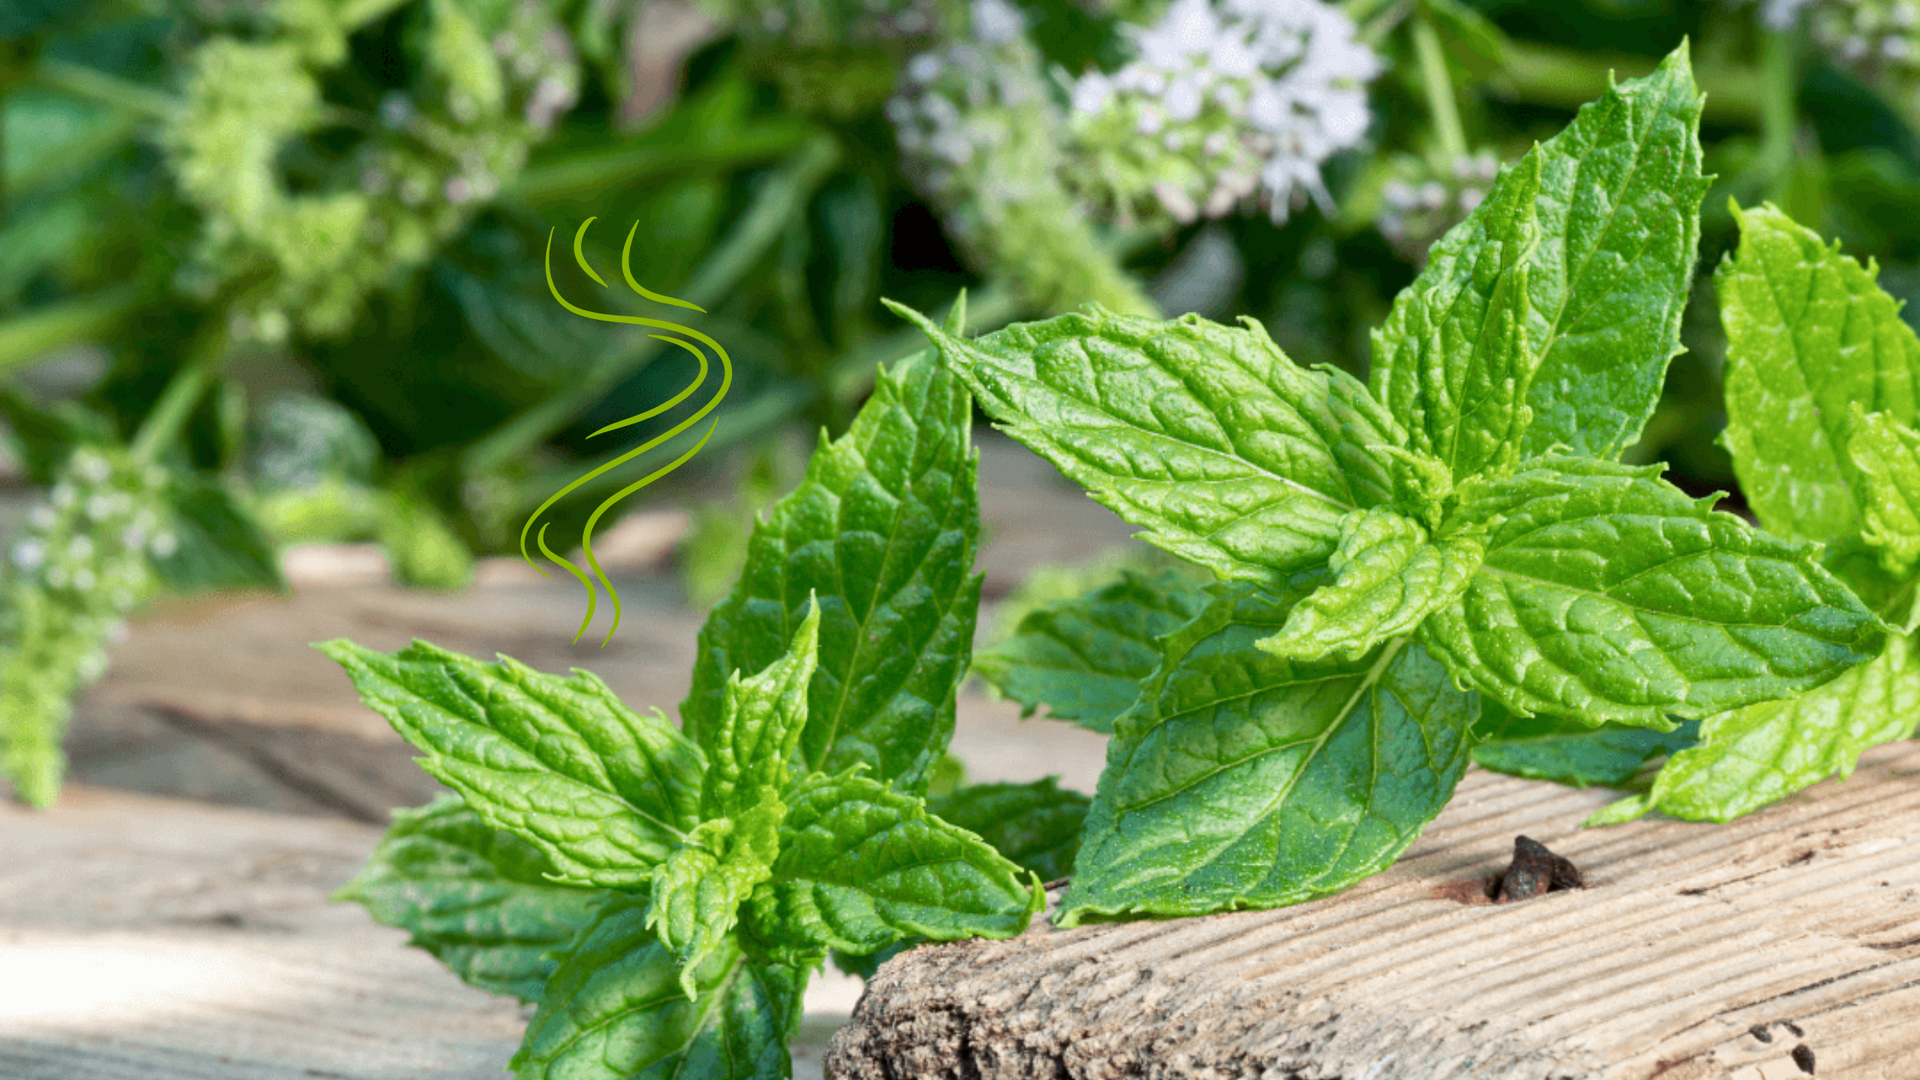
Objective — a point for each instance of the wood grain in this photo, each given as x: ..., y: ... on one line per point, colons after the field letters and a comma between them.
x: 1781, y: 945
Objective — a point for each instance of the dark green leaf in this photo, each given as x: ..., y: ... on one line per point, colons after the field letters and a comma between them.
x: 883, y: 531
x: 615, y: 1011
x: 1084, y: 658
x: 605, y: 792
x: 1244, y: 780
x: 1035, y: 825
x: 1207, y: 436
x: 1569, y: 752
x: 1607, y: 594
x: 475, y: 897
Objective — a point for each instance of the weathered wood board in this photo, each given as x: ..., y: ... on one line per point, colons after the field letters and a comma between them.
x: 157, y: 939
x: 1778, y: 946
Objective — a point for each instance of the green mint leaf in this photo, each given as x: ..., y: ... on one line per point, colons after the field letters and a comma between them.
x: 750, y: 750
x: 605, y: 792
x: 1035, y: 825
x: 1809, y: 334
x: 1750, y: 757
x: 614, y: 1010
x: 883, y: 531
x: 474, y: 896
x: 1619, y: 221
x: 698, y: 890
x: 1387, y: 577
x: 1244, y: 780
x: 1886, y: 453
x: 1452, y: 362
x: 862, y: 866
x: 1084, y: 658
x: 1607, y: 594
x: 1205, y: 435
x: 1571, y: 753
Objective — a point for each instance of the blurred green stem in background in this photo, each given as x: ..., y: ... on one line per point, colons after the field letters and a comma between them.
x: 1439, y: 86
x: 773, y: 211
x: 1549, y: 75
x: 1779, y: 119
x: 29, y: 337
x: 205, y: 357
x: 91, y: 84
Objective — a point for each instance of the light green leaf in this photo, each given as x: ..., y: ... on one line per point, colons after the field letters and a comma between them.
x: 605, y: 792
x: 474, y: 896
x: 861, y: 866
x: 1244, y: 780
x: 1570, y: 752
x: 1809, y: 335
x: 1084, y: 658
x: 1886, y: 453
x: 1452, y: 362
x: 750, y: 751
x: 1619, y: 221
x: 883, y: 531
x: 1607, y: 594
x: 1750, y: 757
x: 698, y: 890
x: 615, y: 1011
x: 1386, y: 578
x: 1207, y: 436
x: 1035, y: 825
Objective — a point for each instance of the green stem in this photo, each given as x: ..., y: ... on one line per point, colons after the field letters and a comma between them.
x: 773, y: 211
x: 27, y: 338
x: 1439, y: 86
x: 1564, y: 78
x: 205, y: 357
x: 1779, y: 121
x: 92, y: 84
x: 585, y: 173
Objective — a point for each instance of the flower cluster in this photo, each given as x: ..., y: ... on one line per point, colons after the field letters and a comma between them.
x: 979, y: 135
x: 83, y: 561
x: 496, y: 79
x: 1224, y: 101
x: 1877, y: 39
x: 1420, y: 202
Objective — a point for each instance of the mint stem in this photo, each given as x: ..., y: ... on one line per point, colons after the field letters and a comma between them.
x: 205, y: 356
x: 1439, y: 87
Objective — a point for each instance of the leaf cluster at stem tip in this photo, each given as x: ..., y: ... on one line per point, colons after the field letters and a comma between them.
x: 1403, y: 563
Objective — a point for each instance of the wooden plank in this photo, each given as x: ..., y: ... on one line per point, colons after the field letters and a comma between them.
x: 1781, y: 945
x: 156, y: 939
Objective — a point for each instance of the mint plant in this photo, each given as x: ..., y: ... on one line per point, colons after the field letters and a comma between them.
x: 1823, y: 383
x: 663, y: 894
x: 1400, y: 558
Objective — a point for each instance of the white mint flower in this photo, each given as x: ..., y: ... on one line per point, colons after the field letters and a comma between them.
x: 29, y: 554
x: 1267, y: 88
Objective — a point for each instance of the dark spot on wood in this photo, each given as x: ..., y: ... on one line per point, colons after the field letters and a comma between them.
x: 1479, y: 890
x: 1793, y: 1027
x: 1759, y: 1031
x: 1894, y: 946
x: 1534, y: 871
x: 1697, y: 890
x: 1803, y: 1057
x: 1803, y: 857
x: 1057, y: 883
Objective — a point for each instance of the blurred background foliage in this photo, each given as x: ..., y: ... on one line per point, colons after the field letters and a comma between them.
x: 281, y: 260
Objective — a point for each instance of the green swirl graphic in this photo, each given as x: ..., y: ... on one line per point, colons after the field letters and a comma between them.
x: 726, y: 380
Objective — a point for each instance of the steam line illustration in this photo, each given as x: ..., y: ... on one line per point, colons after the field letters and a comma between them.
x: 726, y: 380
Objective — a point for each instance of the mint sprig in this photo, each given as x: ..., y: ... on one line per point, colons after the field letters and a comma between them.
x: 1456, y: 531
x: 665, y: 895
